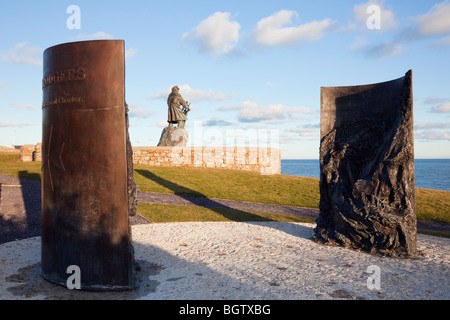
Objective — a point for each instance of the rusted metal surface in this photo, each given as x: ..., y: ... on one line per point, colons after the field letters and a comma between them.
x: 367, y: 184
x: 84, y: 166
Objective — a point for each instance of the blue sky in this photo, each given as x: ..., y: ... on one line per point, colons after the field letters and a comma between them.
x: 247, y: 67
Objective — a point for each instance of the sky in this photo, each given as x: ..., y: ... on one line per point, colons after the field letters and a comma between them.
x: 251, y: 70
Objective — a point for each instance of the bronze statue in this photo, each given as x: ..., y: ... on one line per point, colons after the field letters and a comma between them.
x: 177, y: 114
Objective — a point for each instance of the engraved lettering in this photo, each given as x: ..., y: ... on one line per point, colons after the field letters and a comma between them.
x: 72, y: 74
x: 62, y: 76
x: 81, y: 74
x: 61, y: 100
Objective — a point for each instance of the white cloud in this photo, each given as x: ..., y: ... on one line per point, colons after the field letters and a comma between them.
x: 136, y: 111
x: 272, y: 30
x: 130, y: 53
x: 442, y: 108
x: 139, y: 112
x: 2, y: 85
x: 217, y: 34
x: 359, y: 43
x: 287, y: 138
x: 387, y: 17
x: 161, y: 124
x: 388, y: 49
x: 24, y: 54
x: 250, y: 111
x: 435, y: 21
x: 432, y: 130
x: 363, y: 18
x: 271, y: 84
x: 432, y: 135
x: 216, y: 123
x: 307, y: 132
x: 444, y: 42
x: 434, y: 100
x: 18, y: 106
x: 100, y: 35
x: 7, y: 123
x: 431, y: 125
x: 191, y: 94
x: 385, y: 49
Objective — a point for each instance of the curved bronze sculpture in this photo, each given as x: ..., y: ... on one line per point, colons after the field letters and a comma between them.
x: 84, y: 176
x: 367, y: 185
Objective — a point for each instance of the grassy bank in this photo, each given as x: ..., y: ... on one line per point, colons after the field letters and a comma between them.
x: 230, y: 184
x: 11, y: 165
x: 431, y: 205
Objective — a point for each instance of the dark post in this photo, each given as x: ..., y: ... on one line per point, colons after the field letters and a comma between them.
x: 367, y: 185
x: 84, y: 166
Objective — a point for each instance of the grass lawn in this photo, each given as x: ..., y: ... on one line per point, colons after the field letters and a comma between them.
x: 11, y: 165
x: 230, y: 184
x: 431, y: 205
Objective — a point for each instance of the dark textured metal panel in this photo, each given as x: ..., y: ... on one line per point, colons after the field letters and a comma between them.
x: 367, y: 184
x: 84, y: 173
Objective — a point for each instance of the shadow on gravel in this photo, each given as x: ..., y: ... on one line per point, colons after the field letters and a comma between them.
x: 31, y: 195
x: 30, y: 284
x: 161, y: 275
x: 20, y: 207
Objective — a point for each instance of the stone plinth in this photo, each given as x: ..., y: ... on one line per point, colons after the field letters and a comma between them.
x: 171, y: 137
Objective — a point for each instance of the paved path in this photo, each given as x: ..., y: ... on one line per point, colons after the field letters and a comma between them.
x: 175, y: 199
x: 20, y: 208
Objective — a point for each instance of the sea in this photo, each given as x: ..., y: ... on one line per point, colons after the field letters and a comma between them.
x: 430, y: 173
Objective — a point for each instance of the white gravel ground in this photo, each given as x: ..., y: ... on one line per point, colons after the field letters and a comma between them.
x: 244, y: 261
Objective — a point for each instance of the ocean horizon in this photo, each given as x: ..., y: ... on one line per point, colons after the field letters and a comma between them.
x: 430, y: 173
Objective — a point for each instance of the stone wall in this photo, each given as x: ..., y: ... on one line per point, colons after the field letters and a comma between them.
x: 262, y: 160
x: 37, y: 155
x: 30, y: 152
x: 8, y: 150
x: 26, y: 152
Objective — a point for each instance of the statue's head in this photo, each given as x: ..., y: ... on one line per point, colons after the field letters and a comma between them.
x: 175, y: 89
